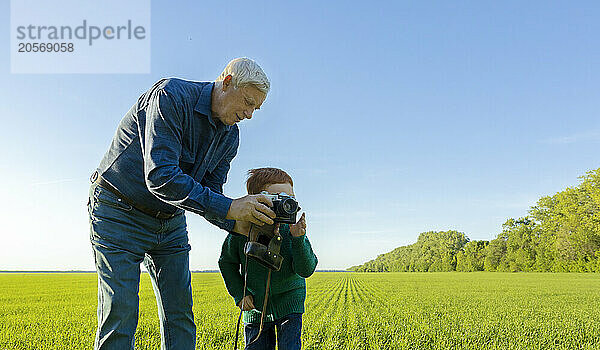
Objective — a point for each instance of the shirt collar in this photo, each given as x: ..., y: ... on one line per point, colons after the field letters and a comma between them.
x: 203, y: 106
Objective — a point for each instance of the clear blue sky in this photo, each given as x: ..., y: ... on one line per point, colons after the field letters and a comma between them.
x: 393, y: 118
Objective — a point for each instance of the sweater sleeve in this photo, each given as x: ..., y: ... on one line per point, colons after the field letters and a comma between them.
x: 304, y: 259
x: 230, y: 264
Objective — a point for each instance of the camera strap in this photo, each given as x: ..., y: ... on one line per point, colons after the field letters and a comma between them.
x: 237, y: 328
x: 264, y: 308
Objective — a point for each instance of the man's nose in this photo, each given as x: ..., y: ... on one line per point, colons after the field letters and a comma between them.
x: 248, y: 114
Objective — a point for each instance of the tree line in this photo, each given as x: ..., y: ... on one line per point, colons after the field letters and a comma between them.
x: 561, y: 233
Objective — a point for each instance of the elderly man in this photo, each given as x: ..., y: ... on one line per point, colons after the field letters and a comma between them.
x: 171, y: 152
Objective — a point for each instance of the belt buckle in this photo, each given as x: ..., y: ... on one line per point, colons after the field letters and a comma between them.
x: 163, y: 216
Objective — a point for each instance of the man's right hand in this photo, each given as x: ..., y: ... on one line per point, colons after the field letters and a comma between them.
x: 247, y: 303
x: 254, y: 208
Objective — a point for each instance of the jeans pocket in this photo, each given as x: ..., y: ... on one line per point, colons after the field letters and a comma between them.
x: 106, y: 197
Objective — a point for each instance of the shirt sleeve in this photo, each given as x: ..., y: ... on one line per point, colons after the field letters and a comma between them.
x: 304, y: 260
x: 229, y: 265
x: 215, y: 181
x: 161, y: 147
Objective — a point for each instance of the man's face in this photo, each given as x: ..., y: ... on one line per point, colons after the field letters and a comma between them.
x: 239, y: 103
x: 279, y: 188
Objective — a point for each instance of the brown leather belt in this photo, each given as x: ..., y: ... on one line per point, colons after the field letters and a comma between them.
x: 146, y: 210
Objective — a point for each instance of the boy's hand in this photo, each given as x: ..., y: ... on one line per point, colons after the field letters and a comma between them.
x: 254, y: 208
x: 247, y: 303
x: 298, y: 229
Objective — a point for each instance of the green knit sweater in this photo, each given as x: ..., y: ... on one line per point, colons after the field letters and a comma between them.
x: 288, y: 288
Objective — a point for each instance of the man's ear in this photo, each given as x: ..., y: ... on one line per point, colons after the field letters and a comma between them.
x: 227, y: 82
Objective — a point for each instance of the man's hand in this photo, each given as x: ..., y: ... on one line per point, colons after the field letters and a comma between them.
x: 298, y: 229
x: 253, y: 208
x: 247, y: 303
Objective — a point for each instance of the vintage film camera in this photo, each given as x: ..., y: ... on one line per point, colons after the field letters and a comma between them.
x: 263, y: 244
x: 284, y: 206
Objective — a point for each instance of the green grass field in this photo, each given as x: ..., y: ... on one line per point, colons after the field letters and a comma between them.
x: 344, y: 311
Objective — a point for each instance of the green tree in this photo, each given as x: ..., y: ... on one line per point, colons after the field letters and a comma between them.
x: 520, y: 246
x: 561, y: 233
x: 472, y: 257
x: 494, y: 253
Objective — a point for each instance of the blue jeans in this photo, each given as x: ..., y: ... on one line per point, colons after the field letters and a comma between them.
x: 289, y: 329
x: 123, y: 237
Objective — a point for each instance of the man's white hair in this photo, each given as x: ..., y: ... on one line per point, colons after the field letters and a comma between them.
x: 245, y: 71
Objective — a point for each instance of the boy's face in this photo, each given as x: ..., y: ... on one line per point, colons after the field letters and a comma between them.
x: 279, y: 188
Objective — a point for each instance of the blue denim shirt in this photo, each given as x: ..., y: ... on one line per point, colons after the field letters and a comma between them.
x: 169, y: 154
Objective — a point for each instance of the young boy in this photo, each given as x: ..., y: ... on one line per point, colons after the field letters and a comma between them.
x: 288, y: 288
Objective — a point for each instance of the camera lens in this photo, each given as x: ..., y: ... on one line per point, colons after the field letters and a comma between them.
x: 289, y: 206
